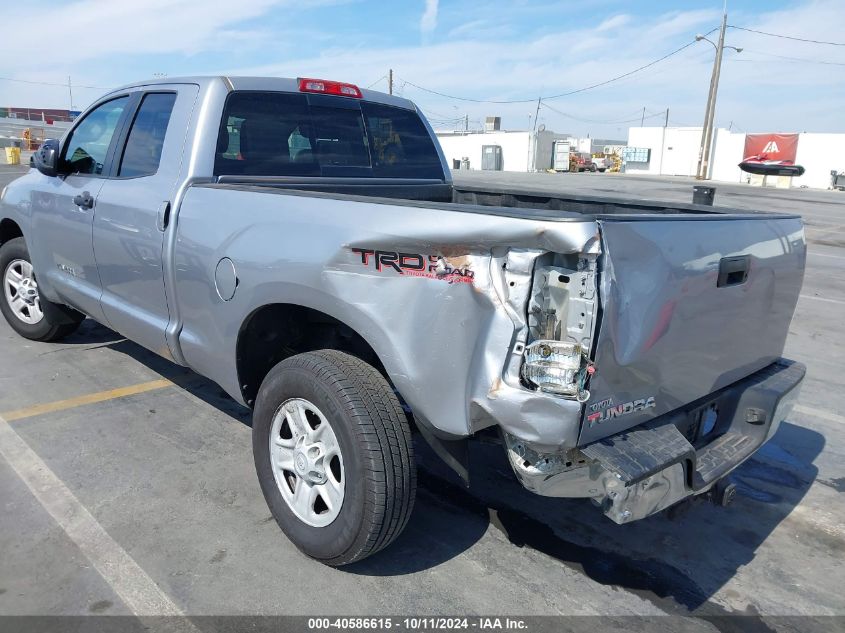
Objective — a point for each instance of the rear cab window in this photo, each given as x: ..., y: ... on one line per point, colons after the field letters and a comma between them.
x: 291, y: 134
x: 142, y: 153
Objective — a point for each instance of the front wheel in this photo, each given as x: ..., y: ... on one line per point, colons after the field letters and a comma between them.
x: 334, y: 456
x: 29, y: 314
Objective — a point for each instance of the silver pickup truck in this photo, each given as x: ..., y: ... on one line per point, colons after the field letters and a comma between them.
x: 300, y: 242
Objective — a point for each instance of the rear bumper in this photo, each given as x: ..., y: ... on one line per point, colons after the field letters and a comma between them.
x: 643, y: 470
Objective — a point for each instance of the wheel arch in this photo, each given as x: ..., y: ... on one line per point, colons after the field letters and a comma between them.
x: 275, y: 331
x: 9, y: 230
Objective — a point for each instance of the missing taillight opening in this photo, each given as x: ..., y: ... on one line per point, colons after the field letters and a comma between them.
x: 561, y: 311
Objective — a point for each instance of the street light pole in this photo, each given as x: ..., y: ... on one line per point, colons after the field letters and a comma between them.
x: 710, y: 109
x: 703, y: 152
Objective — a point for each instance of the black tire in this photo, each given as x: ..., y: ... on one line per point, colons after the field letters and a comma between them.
x: 374, y: 436
x: 58, y: 321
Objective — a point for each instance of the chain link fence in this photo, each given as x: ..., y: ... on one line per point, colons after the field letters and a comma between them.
x: 28, y: 135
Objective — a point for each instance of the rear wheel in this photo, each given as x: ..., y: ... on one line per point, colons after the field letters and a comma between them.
x: 29, y: 314
x: 333, y: 454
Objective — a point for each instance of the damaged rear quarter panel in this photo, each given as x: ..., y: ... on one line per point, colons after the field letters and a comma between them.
x: 443, y: 331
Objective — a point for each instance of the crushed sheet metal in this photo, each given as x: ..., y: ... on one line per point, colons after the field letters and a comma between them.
x: 407, y: 320
x: 669, y: 331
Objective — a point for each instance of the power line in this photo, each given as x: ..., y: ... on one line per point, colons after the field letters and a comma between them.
x: 786, y: 37
x: 48, y: 83
x: 380, y: 79
x: 563, y: 94
x: 638, y: 118
x: 447, y: 96
x: 628, y: 74
x: 437, y: 115
x: 794, y: 59
x: 445, y: 121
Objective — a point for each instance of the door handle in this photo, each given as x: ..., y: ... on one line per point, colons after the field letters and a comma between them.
x: 84, y: 200
x: 163, y: 217
x: 733, y: 270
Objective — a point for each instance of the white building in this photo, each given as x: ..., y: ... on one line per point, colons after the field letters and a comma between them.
x: 513, y: 150
x: 673, y: 151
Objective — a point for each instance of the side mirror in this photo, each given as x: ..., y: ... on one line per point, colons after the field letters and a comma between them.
x: 47, y: 157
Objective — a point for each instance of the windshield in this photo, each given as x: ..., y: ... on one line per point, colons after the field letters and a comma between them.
x: 284, y: 134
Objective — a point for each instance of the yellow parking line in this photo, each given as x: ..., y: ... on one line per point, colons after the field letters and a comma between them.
x: 91, y: 398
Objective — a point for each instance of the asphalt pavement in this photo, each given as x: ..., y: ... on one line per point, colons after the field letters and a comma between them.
x: 136, y: 492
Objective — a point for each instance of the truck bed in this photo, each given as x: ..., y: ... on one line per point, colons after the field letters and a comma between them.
x: 671, y: 328
x: 516, y: 203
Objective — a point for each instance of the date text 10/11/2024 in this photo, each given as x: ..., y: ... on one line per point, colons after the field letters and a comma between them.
x: 418, y: 623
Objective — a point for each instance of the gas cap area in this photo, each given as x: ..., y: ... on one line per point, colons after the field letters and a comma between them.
x: 226, y: 279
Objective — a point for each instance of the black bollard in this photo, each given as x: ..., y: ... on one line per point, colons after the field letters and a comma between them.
x: 702, y: 194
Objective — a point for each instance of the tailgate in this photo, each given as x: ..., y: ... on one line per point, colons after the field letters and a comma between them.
x: 689, y: 305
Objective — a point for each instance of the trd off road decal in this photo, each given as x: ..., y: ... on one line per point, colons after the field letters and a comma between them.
x: 604, y: 410
x: 414, y: 265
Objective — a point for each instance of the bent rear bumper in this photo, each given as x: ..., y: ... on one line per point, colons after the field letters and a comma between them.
x: 643, y: 470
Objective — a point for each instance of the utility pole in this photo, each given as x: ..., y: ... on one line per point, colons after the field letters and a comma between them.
x: 466, y: 123
x: 663, y: 142
x: 642, y: 120
x: 390, y: 81
x: 710, y: 109
x: 537, y: 113
x: 70, y: 92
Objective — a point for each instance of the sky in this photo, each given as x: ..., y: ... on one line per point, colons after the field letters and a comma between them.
x: 496, y: 50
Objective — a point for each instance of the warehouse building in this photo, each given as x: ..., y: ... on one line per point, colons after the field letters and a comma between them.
x: 498, y: 150
x: 495, y: 149
x: 44, y: 115
x: 673, y: 151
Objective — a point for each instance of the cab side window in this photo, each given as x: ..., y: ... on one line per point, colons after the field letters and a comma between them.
x: 86, y: 148
x: 142, y: 154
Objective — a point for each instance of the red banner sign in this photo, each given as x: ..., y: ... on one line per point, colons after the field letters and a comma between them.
x: 771, y: 146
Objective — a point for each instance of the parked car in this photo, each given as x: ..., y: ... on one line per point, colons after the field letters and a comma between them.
x: 584, y: 162
x: 300, y: 242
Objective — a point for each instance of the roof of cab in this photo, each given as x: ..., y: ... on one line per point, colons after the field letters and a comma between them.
x: 272, y: 84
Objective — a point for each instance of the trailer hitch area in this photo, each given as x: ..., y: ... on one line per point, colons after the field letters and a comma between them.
x: 722, y: 493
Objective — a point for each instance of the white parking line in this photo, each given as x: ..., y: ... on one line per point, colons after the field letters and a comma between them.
x: 822, y: 299
x: 136, y: 589
x: 838, y: 228
x: 820, y: 413
x: 817, y: 219
x: 825, y: 255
